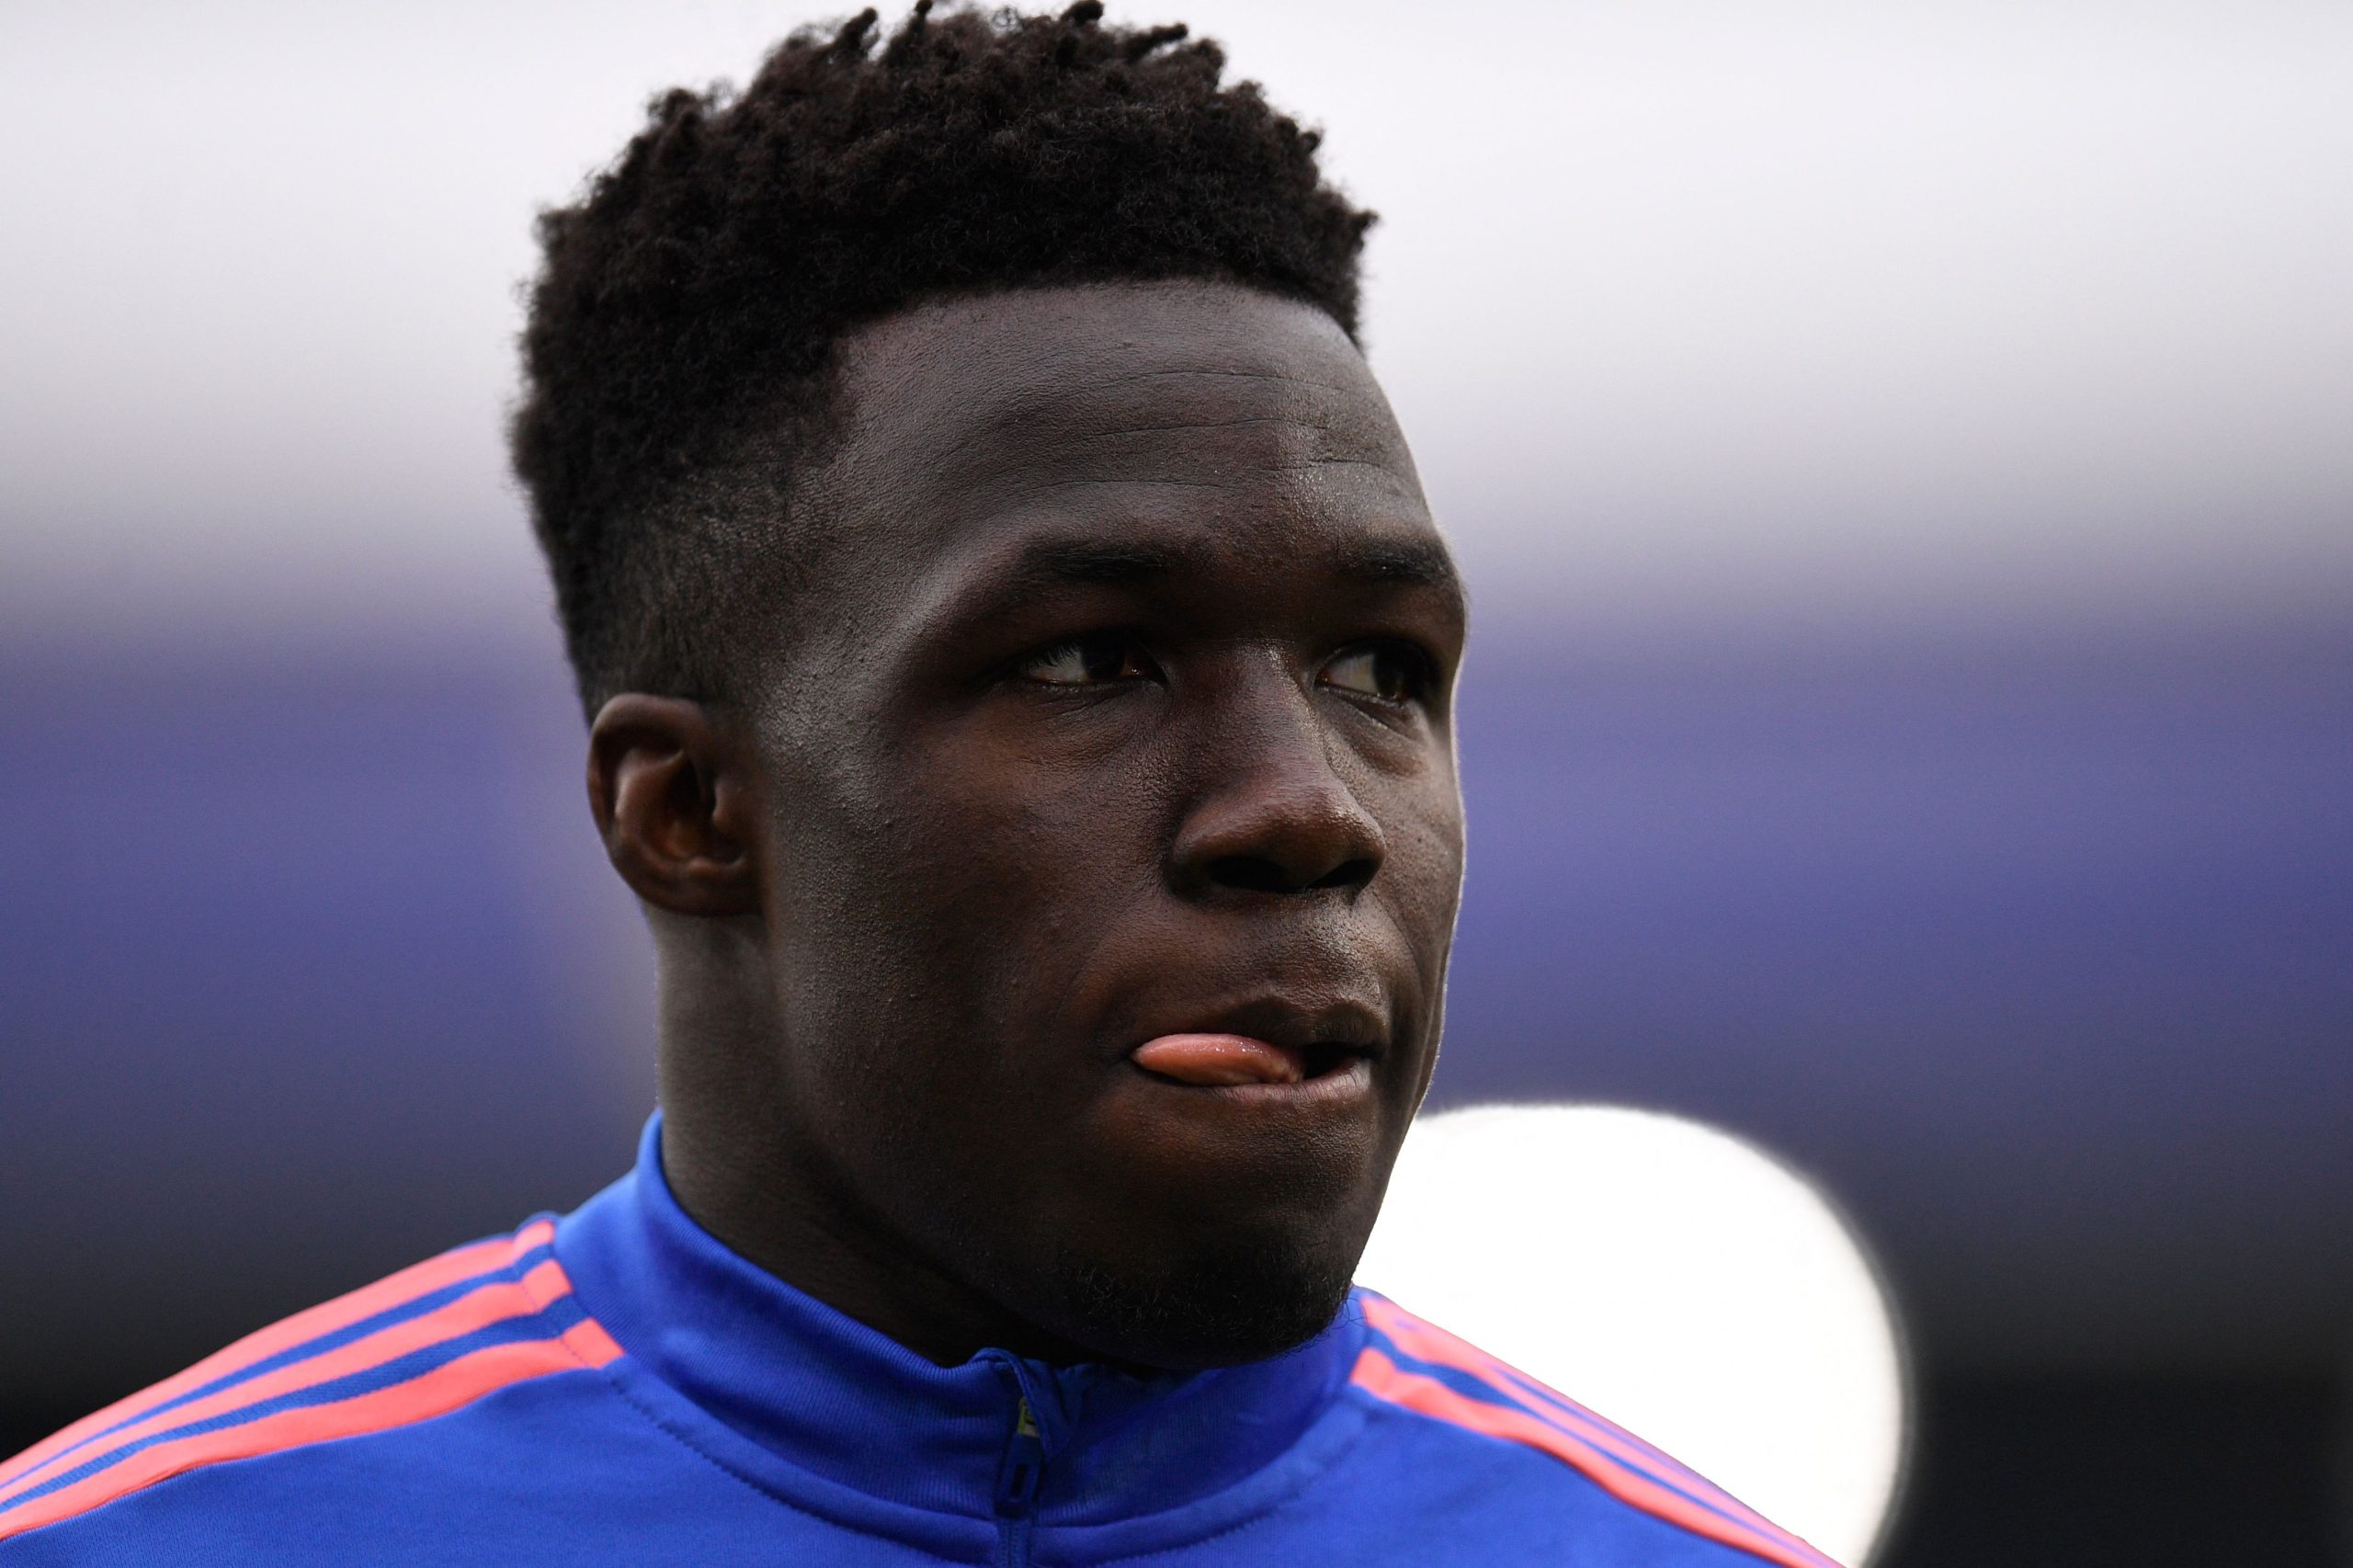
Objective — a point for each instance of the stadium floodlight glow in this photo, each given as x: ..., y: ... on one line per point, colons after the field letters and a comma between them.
x: 1672, y: 1279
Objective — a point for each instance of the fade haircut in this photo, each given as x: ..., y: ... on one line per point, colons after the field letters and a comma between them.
x: 693, y: 299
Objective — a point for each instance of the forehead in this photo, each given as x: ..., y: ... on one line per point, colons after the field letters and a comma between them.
x: 1245, y: 421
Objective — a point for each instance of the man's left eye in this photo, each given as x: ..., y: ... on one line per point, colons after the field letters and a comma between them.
x: 1379, y: 670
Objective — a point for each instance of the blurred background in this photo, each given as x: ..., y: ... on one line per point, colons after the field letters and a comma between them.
x: 1904, y: 459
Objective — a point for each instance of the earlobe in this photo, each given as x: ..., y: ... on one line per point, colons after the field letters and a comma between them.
x: 672, y: 806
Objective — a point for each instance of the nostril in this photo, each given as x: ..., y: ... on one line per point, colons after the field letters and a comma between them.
x: 1251, y: 873
x: 1256, y: 873
x: 1347, y: 874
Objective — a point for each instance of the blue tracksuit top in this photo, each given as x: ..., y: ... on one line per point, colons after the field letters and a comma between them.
x: 616, y: 1386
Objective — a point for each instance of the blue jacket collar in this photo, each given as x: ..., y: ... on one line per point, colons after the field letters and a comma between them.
x: 830, y: 1396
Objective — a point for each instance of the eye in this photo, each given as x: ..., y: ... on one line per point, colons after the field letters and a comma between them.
x: 1386, y: 672
x: 1094, y: 660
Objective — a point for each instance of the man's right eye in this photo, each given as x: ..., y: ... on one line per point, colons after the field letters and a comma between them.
x: 1094, y: 660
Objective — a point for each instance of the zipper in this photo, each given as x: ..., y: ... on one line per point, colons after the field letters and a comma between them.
x: 1016, y: 1487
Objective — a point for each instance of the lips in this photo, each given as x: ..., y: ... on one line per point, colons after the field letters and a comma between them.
x: 1274, y: 1044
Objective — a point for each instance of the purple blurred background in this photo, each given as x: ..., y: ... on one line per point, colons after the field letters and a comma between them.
x: 1901, y: 465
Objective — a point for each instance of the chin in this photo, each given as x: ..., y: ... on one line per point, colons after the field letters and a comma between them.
x: 1217, y: 1307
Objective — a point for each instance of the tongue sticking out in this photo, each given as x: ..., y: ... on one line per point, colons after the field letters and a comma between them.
x: 1219, y: 1059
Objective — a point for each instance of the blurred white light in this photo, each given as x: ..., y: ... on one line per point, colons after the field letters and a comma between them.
x: 1671, y: 1277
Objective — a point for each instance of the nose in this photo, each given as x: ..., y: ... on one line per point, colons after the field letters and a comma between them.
x: 1272, y: 815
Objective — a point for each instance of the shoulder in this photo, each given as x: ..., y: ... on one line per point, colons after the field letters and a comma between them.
x: 355, y: 1375
x: 1534, y: 1452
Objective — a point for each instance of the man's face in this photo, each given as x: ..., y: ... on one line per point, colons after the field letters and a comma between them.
x: 1118, y: 708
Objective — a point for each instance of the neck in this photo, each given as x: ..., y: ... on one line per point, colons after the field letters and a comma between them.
x: 740, y: 1164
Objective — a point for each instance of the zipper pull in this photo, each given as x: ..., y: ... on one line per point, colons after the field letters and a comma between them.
x: 1025, y: 1466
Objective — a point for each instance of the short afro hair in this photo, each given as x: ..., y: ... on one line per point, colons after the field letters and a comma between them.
x: 698, y: 291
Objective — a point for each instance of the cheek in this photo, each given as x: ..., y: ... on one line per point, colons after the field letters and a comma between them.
x: 1017, y: 833
x: 986, y: 881
x: 1421, y: 879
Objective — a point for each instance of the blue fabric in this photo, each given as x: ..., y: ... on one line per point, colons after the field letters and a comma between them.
x: 748, y: 1423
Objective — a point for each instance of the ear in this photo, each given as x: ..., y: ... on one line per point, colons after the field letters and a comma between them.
x: 672, y: 796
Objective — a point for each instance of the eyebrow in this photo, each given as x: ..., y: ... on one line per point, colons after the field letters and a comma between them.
x: 1422, y: 562
x: 1052, y: 562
